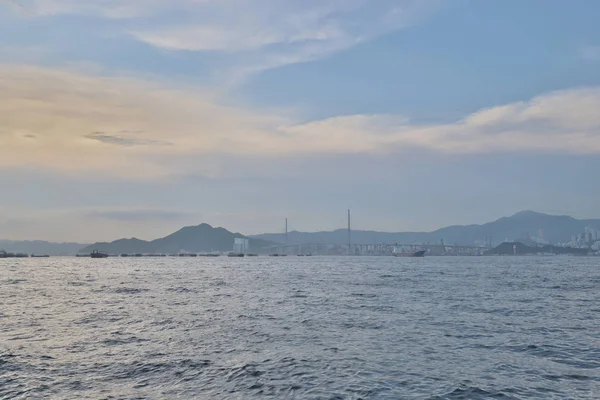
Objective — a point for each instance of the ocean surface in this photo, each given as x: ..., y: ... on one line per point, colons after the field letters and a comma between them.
x: 301, y: 328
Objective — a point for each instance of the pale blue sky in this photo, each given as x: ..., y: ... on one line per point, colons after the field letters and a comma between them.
x: 126, y: 120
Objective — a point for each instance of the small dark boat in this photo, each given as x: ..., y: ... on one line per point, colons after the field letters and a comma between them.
x: 97, y: 254
x: 40, y: 256
x: 235, y: 255
x: 251, y: 255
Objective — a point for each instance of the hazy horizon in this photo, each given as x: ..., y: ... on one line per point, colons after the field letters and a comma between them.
x: 128, y: 120
x: 280, y: 231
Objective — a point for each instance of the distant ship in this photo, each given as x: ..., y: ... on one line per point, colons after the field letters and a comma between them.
x: 235, y: 255
x: 4, y: 254
x: 420, y: 253
x: 97, y: 254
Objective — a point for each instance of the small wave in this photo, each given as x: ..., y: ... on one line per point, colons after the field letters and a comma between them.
x: 139, y: 369
x: 117, y: 341
x: 246, y: 370
x: 298, y: 296
x: 77, y: 283
x: 364, y: 295
x: 10, y: 363
x: 574, y: 377
x: 120, y: 290
x: 15, y: 281
x: 129, y: 290
x: 181, y: 289
x: 472, y: 393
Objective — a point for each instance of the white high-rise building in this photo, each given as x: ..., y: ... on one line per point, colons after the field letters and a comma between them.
x: 240, y: 245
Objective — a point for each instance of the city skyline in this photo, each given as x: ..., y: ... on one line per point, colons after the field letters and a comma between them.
x: 121, y: 120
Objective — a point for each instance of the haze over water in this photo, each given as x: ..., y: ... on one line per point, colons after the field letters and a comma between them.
x: 306, y: 328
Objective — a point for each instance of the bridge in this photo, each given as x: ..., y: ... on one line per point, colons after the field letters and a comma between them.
x: 375, y: 249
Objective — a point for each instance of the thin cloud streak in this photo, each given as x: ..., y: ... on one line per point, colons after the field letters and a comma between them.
x: 266, y: 34
x: 257, y: 34
x: 138, y: 122
x: 103, y: 137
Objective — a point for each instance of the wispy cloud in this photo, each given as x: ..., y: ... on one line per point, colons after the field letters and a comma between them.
x: 274, y: 33
x: 135, y: 119
x: 257, y: 34
x: 125, y: 141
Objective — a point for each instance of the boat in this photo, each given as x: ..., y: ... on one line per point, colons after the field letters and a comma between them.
x: 40, y: 256
x: 235, y: 255
x: 251, y: 255
x: 420, y: 253
x: 97, y: 254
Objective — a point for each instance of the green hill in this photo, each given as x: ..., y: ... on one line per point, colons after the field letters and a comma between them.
x: 517, y: 248
x: 196, y: 239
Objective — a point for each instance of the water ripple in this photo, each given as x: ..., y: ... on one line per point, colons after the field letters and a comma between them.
x: 302, y: 328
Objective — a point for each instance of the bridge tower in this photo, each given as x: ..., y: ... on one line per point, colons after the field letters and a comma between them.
x: 349, y: 236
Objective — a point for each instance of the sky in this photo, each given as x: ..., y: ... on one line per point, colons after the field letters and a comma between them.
x: 129, y: 118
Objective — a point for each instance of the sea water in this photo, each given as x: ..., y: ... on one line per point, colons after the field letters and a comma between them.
x: 300, y: 327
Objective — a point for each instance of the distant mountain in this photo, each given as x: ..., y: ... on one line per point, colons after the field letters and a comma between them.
x: 517, y: 248
x: 40, y: 247
x: 340, y: 236
x: 200, y: 238
x: 519, y: 226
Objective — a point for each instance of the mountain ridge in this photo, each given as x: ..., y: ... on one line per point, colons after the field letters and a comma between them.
x: 194, y: 238
x: 204, y: 237
x: 555, y: 229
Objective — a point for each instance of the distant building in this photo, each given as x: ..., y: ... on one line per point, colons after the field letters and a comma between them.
x: 240, y: 245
